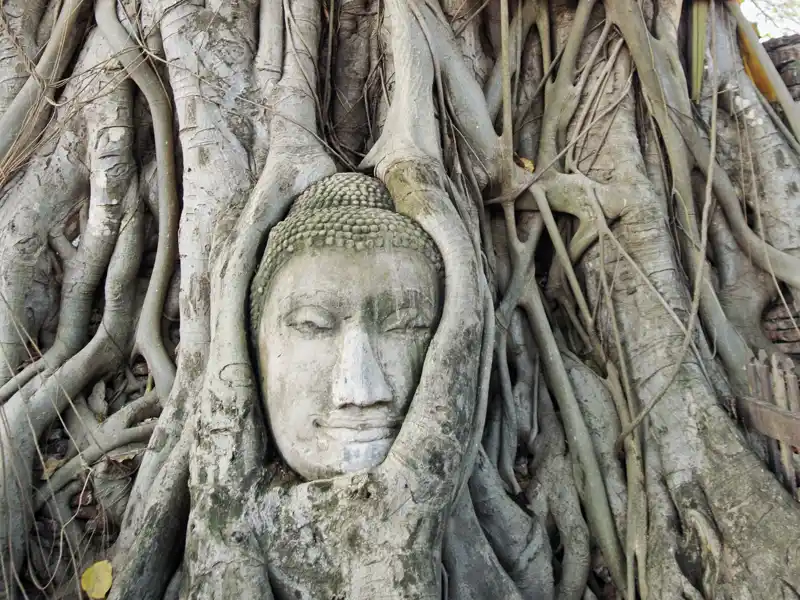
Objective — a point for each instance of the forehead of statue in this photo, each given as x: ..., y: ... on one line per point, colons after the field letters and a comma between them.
x: 378, y: 280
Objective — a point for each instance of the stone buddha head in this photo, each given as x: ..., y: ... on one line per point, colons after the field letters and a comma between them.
x: 343, y: 306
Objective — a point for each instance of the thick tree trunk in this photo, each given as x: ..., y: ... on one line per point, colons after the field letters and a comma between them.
x: 616, y: 258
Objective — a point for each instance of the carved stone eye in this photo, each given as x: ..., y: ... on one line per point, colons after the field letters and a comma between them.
x: 405, y: 320
x: 311, y: 320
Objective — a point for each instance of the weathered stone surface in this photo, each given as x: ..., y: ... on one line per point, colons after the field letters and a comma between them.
x: 785, y: 54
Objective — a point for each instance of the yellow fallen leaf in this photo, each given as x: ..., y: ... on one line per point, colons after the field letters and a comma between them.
x: 51, y: 465
x: 96, y: 580
x: 527, y: 164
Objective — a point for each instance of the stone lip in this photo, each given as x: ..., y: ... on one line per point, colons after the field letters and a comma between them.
x: 360, y: 428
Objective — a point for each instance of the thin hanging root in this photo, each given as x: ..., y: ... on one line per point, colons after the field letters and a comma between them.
x: 654, y: 61
x: 785, y: 266
x: 582, y: 185
x: 352, y: 70
x: 596, y: 94
x: 519, y: 541
x: 562, y: 254
x: 636, y: 526
x: 521, y: 260
x: 296, y: 160
x: 554, y: 487
x: 562, y: 95
x: 655, y: 65
x: 597, y: 507
x: 20, y: 124
x: 24, y: 420
x: 520, y: 26
x: 467, y: 106
x: 596, y: 398
x: 148, y: 333
x: 508, y: 445
x: 109, y: 124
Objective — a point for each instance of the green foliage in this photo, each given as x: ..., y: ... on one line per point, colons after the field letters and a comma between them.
x: 775, y: 18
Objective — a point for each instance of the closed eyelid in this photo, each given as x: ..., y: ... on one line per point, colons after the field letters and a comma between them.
x: 309, y: 312
x: 410, y: 316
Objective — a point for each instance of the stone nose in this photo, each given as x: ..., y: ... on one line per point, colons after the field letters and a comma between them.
x: 358, y: 377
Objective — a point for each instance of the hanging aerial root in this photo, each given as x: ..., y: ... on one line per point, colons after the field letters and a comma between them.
x: 349, y: 84
x: 553, y: 491
x: 24, y: 420
x: 600, y: 415
x: 216, y: 176
x: 668, y: 101
x: 148, y: 332
x: 19, y: 21
x: 518, y: 539
x: 595, y: 96
x: 42, y: 198
x: 109, y: 124
x: 785, y: 266
x: 22, y: 121
x: 295, y: 161
x: 562, y: 95
x: 626, y: 403
x: 597, y: 508
x: 600, y: 515
x: 521, y: 24
x: 473, y: 570
x: 519, y: 271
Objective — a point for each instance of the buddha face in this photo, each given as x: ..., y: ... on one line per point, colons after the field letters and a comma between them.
x: 341, y: 345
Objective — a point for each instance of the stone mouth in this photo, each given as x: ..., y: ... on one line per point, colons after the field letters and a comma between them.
x: 373, y: 434
x: 359, y: 428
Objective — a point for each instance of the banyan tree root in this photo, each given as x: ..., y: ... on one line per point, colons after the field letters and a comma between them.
x: 148, y: 331
x: 23, y: 119
x: 109, y: 128
x: 24, y: 420
x: 268, y: 98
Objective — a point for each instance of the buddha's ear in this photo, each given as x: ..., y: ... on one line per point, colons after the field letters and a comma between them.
x: 436, y: 446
